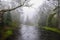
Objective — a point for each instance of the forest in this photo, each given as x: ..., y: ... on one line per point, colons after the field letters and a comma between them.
x: 29, y: 20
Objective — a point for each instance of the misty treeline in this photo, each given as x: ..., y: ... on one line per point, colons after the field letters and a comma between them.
x: 46, y: 16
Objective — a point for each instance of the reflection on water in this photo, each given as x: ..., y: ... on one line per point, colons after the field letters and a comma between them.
x: 29, y: 32
x: 31, y: 15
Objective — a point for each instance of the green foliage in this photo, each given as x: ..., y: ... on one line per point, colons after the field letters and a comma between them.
x: 7, y: 18
x: 51, y: 29
x: 49, y: 22
x: 9, y: 26
x: 52, y: 22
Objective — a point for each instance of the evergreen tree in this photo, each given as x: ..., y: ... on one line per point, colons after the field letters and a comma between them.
x: 7, y: 19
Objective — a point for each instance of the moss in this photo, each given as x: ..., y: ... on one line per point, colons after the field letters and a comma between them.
x: 52, y: 29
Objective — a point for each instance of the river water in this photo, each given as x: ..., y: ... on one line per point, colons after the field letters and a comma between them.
x: 31, y: 16
x: 36, y: 11
x: 29, y: 32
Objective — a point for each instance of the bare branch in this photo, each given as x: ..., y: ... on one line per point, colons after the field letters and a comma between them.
x: 5, y: 10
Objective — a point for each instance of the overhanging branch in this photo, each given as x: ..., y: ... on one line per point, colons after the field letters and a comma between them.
x: 5, y: 10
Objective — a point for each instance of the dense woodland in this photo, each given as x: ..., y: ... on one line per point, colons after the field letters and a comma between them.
x: 46, y: 19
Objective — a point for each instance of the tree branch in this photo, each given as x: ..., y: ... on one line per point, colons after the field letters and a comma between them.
x: 5, y: 10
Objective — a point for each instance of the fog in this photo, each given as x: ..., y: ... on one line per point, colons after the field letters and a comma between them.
x: 29, y: 15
